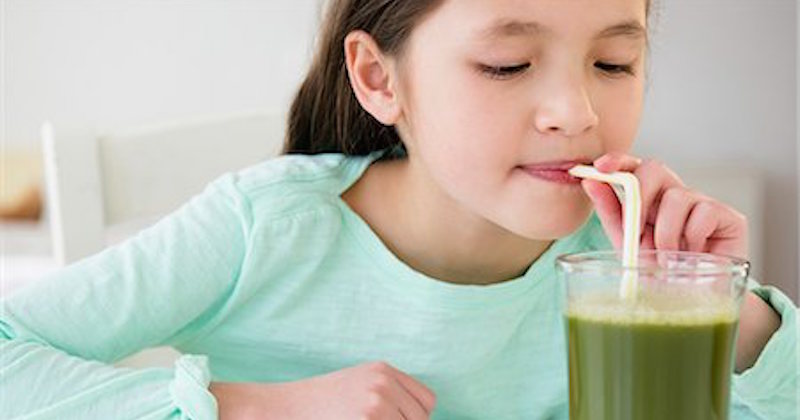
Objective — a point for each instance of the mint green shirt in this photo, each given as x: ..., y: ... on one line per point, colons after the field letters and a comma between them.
x: 268, y: 276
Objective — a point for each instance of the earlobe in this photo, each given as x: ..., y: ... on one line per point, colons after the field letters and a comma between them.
x: 372, y: 76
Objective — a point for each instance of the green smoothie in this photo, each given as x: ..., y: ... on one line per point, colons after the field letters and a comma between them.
x: 664, y: 357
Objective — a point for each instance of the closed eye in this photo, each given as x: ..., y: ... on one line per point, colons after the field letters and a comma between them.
x: 614, y: 69
x: 503, y: 72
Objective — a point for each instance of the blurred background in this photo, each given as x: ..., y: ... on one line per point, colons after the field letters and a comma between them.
x: 721, y: 101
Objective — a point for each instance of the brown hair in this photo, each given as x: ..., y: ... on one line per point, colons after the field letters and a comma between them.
x: 325, y: 115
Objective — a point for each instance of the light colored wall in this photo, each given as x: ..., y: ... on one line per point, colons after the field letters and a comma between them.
x: 118, y: 63
x: 722, y: 90
x: 723, y: 93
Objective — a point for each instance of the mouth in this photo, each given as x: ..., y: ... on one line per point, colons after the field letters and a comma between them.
x: 556, y: 171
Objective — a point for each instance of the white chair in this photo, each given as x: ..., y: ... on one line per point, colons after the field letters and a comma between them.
x: 122, y: 181
x: 131, y: 177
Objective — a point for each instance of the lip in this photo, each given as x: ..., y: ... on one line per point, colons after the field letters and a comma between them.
x: 555, y: 171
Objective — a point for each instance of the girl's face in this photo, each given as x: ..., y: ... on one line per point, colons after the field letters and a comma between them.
x: 500, y: 97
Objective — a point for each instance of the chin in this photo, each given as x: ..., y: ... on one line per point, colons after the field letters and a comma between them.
x: 559, y: 230
x: 551, y: 227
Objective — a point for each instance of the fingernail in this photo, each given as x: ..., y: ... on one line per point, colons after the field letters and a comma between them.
x: 603, y: 162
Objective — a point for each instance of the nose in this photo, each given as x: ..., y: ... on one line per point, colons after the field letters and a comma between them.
x: 564, y: 107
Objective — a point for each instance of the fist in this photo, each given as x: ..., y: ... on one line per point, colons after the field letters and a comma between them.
x: 674, y: 217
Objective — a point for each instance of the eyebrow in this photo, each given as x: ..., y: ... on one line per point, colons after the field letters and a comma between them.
x: 628, y: 29
x: 511, y: 28
x: 514, y: 28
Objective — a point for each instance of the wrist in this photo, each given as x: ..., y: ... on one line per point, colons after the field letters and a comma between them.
x: 236, y: 401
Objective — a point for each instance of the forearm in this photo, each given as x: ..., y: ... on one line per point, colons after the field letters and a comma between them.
x: 757, y: 322
x: 234, y: 400
x: 247, y: 400
x: 38, y: 380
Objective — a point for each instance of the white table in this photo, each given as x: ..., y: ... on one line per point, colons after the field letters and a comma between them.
x: 26, y: 254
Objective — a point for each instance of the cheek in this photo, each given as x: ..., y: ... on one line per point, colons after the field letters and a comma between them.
x: 461, y: 136
x: 619, y: 114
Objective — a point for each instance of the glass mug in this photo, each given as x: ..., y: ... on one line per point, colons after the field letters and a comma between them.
x: 668, y: 353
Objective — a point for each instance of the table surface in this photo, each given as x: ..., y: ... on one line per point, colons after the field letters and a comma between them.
x: 26, y: 254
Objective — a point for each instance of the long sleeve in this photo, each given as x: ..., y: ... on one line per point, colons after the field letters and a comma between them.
x: 769, y: 389
x: 164, y: 286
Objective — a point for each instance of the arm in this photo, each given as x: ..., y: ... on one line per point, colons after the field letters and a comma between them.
x: 57, y: 335
x: 757, y: 322
x: 768, y: 387
x: 373, y: 390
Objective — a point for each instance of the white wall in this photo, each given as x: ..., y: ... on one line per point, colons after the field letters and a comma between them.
x: 723, y: 92
x: 723, y: 82
x: 117, y: 63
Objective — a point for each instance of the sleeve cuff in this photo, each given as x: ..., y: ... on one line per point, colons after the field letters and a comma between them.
x: 770, y: 385
x: 189, y: 388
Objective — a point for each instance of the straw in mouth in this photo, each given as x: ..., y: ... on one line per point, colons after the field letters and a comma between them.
x: 631, y: 198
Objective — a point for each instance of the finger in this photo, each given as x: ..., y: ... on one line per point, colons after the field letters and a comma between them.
x: 672, y: 213
x: 410, y: 407
x: 699, y: 227
x: 648, y: 241
x: 423, y: 394
x: 713, y: 227
x: 607, y: 207
x: 616, y: 161
x: 654, y: 179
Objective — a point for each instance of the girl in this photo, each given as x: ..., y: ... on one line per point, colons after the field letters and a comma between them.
x: 399, y: 264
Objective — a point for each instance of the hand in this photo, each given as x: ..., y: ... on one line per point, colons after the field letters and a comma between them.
x: 674, y: 217
x: 368, y: 391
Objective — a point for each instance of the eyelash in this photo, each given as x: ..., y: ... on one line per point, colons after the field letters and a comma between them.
x: 503, y: 72
x: 507, y: 72
x: 614, y: 69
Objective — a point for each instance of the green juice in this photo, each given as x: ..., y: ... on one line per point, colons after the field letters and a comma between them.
x: 666, y: 358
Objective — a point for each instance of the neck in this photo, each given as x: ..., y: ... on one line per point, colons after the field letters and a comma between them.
x: 434, y: 234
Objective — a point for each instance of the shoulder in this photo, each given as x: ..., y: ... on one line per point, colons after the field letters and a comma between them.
x: 297, y: 170
x: 293, y: 183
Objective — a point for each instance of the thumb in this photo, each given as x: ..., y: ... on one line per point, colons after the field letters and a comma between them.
x: 607, y: 207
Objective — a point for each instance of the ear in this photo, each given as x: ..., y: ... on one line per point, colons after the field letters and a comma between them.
x: 372, y: 77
